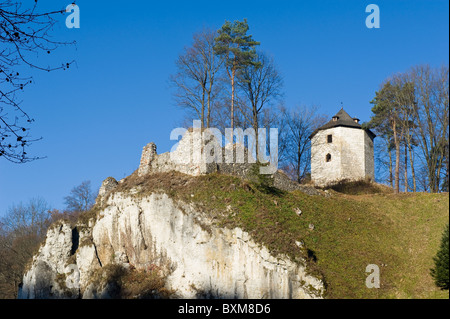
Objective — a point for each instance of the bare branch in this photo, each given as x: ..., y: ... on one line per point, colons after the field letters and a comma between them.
x: 24, y: 35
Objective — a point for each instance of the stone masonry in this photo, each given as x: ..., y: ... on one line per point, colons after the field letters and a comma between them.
x: 342, y: 150
x: 198, y: 154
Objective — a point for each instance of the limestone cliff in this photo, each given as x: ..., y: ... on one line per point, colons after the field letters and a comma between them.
x: 142, y: 241
x: 197, y: 258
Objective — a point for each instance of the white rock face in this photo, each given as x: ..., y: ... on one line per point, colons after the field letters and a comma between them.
x: 41, y: 281
x: 202, y: 260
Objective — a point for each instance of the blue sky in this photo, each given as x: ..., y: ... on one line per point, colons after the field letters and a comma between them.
x: 96, y: 117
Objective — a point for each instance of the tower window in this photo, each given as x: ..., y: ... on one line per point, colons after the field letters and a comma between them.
x: 328, y: 157
x: 330, y: 138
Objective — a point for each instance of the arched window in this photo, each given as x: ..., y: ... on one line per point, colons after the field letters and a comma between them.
x: 328, y: 157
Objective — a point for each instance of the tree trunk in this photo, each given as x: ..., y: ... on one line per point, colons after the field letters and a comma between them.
x: 411, y: 160
x: 447, y: 173
x: 391, y: 178
x: 233, y: 73
x: 208, y: 115
x: 397, y: 169
x: 406, y: 169
x: 397, y: 158
x: 439, y: 165
x: 255, y: 127
x: 432, y: 177
x: 203, y: 109
x: 299, y: 157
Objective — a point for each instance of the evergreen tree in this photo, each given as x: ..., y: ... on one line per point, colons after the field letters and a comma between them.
x: 238, y: 49
x: 387, y: 117
x: 440, y: 272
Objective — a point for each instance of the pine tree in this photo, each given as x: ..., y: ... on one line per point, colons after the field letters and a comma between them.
x: 440, y: 273
x: 388, y: 104
x: 238, y: 49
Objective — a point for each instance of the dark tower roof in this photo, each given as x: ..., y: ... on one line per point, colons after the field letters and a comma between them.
x: 343, y: 119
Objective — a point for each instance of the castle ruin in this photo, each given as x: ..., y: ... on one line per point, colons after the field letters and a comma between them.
x: 203, y: 154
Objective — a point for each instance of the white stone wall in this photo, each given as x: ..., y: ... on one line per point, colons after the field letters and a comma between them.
x: 369, y: 158
x: 351, y: 153
x: 321, y: 170
x: 189, y: 156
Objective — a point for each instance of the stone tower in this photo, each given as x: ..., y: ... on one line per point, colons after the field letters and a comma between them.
x: 341, y: 150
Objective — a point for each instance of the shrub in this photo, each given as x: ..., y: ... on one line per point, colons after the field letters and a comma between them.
x: 145, y: 283
x: 262, y: 181
x: 356, y: 187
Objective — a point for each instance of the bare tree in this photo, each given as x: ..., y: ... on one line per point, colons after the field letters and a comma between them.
x: 81, y: 198
x: 412, y: 112
x: 296, y: 126
x: 21, y: 230
x: 261, y: 84
x: 197, y: 74
x: 24, y: 36
x: 30, y: 217
x: 405, y: 99
x: 432, y: 117
x: 387, y: 118
x: 384, y: 159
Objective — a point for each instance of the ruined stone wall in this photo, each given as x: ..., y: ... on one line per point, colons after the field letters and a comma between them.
x: 194, y: 156
x: 148, y: 156
x: 186, y: 158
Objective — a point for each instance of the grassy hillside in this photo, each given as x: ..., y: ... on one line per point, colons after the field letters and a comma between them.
x: 399, y: 233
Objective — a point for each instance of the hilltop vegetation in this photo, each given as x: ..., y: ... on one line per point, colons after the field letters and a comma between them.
x: 339, y: 234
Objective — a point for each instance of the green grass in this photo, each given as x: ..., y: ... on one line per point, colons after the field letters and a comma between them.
x: 399, y: 233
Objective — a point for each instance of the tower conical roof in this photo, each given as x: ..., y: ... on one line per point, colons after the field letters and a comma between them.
x: 342, y: 118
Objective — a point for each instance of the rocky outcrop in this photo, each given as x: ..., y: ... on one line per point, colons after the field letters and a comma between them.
x: 198, y: 258
x: 107, y: 186
x: 194, y: 257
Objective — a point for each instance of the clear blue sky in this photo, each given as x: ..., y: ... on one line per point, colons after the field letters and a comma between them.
x: 96, y: 117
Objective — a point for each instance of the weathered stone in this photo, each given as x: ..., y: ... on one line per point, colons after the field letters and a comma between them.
x: 148, y: 155
x: 107, y: 185
x: 342, y: 151
x: 47, y: 276
x: 201, y: 259
x: 198, y: 154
